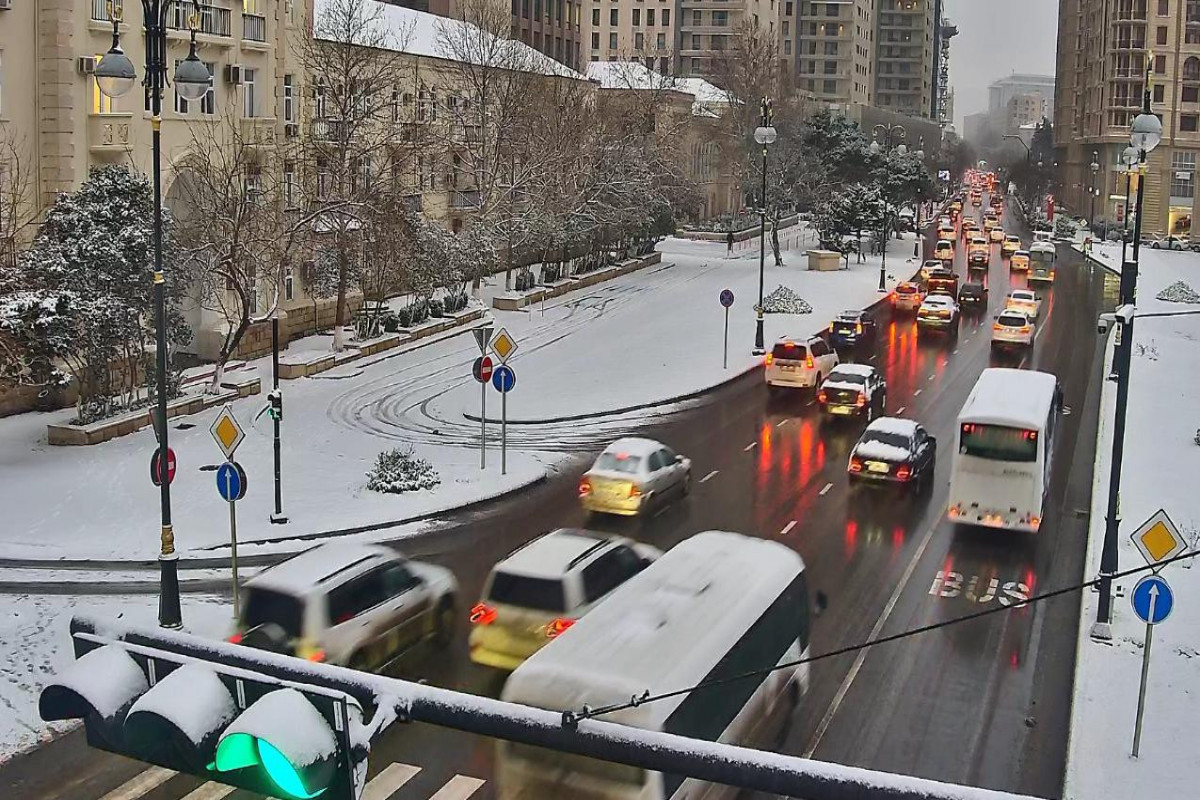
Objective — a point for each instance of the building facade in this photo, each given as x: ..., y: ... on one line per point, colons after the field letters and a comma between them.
x: 836, y: 60
x: 1105, y: 51
x: 906, y: 56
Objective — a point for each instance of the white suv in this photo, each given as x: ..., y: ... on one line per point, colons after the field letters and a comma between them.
x: 355, y: 605
x: 1012, y: 327
x: 800, y: 364
x: 542, y: 588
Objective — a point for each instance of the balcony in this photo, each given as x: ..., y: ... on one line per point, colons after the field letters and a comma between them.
x: 409, y: 131
x: 213, y: 20
x: 464, y: 200
x: 109, y: 133
x: 470, y: 134
x: 254, y: 28
x: 100, y: 11
x: 328, y: 129
x: 1129, y: 44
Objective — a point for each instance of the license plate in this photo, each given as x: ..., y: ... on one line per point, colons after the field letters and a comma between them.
x: 840, y: 410
x: 876, y: 466
x: 787, y: 368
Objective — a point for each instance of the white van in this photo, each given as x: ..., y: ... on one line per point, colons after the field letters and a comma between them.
x: 799, y: 363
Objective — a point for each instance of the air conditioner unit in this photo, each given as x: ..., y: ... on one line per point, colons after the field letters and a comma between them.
x: 233, y: 74
x: 85, y: 64
x: 5, y: 5
x: 291, y: 130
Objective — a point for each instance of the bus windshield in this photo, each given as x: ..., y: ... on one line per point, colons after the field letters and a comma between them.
x: 999, y: 442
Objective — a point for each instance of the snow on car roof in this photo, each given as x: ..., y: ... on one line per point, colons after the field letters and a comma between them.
x: 862, y: 370
x: 1023, y: 294
x: 1021, y: 253
x: 634, y: 446
x: 938, y: 300
x: 896, y: 425
x: 1013, y: 397
x: 302, y: 572
x: 664, y: 628
x: 549, y: 556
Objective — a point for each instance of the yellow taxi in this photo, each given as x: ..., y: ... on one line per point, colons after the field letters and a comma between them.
x: 1019, y: 261
x: 956, y: 206
x: 1010, y: 245
x: 989, y: 223
x: 946, y: 232
x: 944, y: 251
x: 997, y: 235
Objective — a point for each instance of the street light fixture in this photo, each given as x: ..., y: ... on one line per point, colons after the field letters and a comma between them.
x: 1095, y: 167
x: 888, y: 132
x: 115, y: 76
x: 1144, y: 135
x: 920, y: 154
x: 764, y: 135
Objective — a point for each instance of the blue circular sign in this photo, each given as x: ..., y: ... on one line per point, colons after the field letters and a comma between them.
x: 1152, y: 599
x: 231, y: 481
x: 726, y: 298
x: 504, y: 379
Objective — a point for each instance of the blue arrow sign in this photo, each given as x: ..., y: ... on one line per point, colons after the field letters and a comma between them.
x: 504, y: 379
x: 1152, y: 599
x: 726, y: 298
x: 231, y: 481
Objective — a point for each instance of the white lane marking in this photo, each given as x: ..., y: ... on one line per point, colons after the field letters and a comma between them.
x: 383, y: 785
x: 954, y: 352
x: 862, y: 654
x: 749, y: 447
x: 917, y: 392
x: 900, y: 410
x: 931, y: 377
x: 140, y: 784
x: 787, y: 528
x: 661, y: 511
x: 460, y: 787
x: 212, y: 791
x: 782, y: 422
x: 709, y: 476
x: 873, y: 356
x: 825, y: 491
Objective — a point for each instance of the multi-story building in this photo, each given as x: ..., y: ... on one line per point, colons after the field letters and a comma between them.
x: 1002, y: 92
x: 1105, y: 50
x: 1024, y: 109
x: 835, y: 61
x: 906, y: 56
x: 627, y: 30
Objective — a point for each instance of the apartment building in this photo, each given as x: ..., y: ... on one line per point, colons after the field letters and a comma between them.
x: 906, y: 56
x: 1105, y: 50
x: 646, y: 31
x: 1025, y: 109
x: 837, y: 51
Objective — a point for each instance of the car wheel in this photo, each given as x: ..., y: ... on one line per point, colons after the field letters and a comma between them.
x: 1155, y: 246
x: 443, y: 623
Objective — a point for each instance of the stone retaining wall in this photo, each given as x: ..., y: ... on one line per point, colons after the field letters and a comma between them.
x: 514, y: 301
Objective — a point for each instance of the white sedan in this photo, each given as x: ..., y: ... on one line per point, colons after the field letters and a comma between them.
x: 1012, y: 327
x: 1025, y: 300
x: 633, y: 475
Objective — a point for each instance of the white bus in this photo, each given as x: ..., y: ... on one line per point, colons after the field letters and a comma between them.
x: 714, y: 606
x: 1004, y: 450
x: 1041, y: 262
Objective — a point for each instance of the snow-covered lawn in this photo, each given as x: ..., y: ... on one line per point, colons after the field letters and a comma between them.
x: 35, y: 643
x: 1160, y: 468
x: 643, y: 338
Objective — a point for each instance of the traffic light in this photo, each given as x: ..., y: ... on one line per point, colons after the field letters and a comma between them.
x: 275, y: 404
x: 233, y: 723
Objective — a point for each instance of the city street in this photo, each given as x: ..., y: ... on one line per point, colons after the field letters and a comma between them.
x: 984, y: 702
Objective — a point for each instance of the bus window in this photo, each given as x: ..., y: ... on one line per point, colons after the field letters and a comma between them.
x: 999, y: 443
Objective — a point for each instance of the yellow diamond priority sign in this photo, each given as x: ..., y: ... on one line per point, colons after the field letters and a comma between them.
x: 503, y: 345
x: 226, y: 432
x: 1158, y: 539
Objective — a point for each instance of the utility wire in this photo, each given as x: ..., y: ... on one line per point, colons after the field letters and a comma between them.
x: 590, y: 713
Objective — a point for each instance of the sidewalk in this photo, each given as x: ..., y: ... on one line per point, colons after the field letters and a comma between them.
x: 1160, y: 464
x: 643, y: 338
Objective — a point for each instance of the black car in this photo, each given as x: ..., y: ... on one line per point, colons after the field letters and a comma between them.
x: 896, y: 452
x: 852, y: 328
x: 973, y: 295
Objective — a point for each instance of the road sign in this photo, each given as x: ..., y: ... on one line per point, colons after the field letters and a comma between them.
x: 504, y: 379
x: 226, y: 432
x: 943, y: 174
x: 1152, y: 599
x: 156, y: 472
x: 1158, y: 539
x: 726, y: 298
x: 503, y: 345
x: 231, y: 481
x: 482, y: 336
x: 482, y: 369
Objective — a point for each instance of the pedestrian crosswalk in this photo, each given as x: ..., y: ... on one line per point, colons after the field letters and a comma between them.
x: 384, y: 786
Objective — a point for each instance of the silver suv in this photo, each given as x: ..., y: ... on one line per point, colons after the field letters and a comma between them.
x: 355, y: 605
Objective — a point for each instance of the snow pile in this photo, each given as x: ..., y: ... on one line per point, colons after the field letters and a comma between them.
x: 784, y: 301
x: 1178, y: 292
x: 397, y: 471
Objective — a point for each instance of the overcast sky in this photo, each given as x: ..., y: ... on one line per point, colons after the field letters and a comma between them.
x: 995, y: 39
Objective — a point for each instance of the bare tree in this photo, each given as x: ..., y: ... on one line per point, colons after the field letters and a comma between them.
x: 356, y: 69
x: 17, y: 206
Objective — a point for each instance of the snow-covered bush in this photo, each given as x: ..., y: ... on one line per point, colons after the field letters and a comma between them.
x: 551, y: 273
x: 1178, y: 292
x: 1064, y: 227
x: 398, y: 470
x: 455, y: 302
x: 436, y: 308
x: 524, y: 281
x: 784, y: 301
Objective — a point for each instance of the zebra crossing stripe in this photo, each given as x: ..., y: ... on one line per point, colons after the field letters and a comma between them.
x: 460, y: 787
x: 210, y: 791
x: 393, y: 776
x: 145, y: 781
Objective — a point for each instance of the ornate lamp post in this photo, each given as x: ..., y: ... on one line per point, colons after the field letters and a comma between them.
x: 764, y: 135
x: 888, y: 132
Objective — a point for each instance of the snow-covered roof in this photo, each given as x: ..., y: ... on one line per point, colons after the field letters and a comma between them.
x: 1014, y: 397
x: 861, y: 370
x: 665, y: 628
x: 1023, y: 294
x: 420, y: 34
x: 894, y: 425
x: 880, y: 451
x: 938, y: 301
x: 549, y: 556
x: 636, y: 75
x: 301, y: 573
x: 634, y: 446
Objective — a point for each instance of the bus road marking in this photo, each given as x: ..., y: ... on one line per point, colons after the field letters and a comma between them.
x: 825, y: 491
x: 749, y: 447
x: 787, y: 528
x: 709, y: 476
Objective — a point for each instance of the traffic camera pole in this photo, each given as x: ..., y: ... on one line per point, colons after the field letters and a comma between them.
x: 278, y: 517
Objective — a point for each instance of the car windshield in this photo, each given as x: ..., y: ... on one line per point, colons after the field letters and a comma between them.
x: 619, y: 462
x: 267, y: 606
x: 972, y: 289
x: 540, y: 594
x: 888, y: 438
x: 1011, y: 320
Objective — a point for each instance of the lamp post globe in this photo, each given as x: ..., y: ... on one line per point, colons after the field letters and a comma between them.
x: 875, y: 148
x: 1146, y: 132
x: 762, y: 135
x: 115, y: 74
x: 192, y: 77
x: 1130, y: 156
x: 901, y: 148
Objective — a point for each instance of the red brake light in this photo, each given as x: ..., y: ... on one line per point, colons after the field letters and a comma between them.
x: 585, y: 487
x: 558, y: 626
x: 235, y: 639
x: 482, y: 614
x: 862, y: 400
x: 822, y: 397
x: 856, y: 465
x: 635, y: 490
x: 770, y: 359
x: 904, y: 472
x: 317, y: 655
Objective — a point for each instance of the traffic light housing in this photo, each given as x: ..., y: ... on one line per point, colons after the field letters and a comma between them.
x: 242, y: 724
x: 275, y: 404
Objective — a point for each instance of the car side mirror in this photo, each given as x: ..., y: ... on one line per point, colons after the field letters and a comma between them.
x: 678, y: 459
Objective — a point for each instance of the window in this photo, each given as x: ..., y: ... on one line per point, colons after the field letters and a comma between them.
x: 250, y: 92
x: 720, y: 18
x: 289, y: 185
x: 666, y: 17
x: 322, y: 179
x: 637, y: 18
x: 265, y: 606
x: 1160, y: 36
x: 540, y: 594
x: 788, y: 9
x: 595, y: 18
x: 787, y: 47
x: 697, y: 17
x: 356, y: 596
x: 718, y: 42
x: 1187, y: 123
x: 661, y: 41
x: 830, y: 68
x: 612, y: 41
x: 639, y: 42
x: 101, y: 103
x: 614, y: 17
x: 1191, y: 68
x: 829, y: 87
x: 786, y: 28
x: 1190, y: 94
x: 1160, y: 65
x: 1159, y: 92
x: 999, y: 442
x: 650, y: 17
x: 595, y: 41
x: 320, y: 101
x: 1164, y: 8
x: 289, y: 98
x: 288, y: 284
x: 663, y: 64
x: 831, y: 48
x: 695, y: 41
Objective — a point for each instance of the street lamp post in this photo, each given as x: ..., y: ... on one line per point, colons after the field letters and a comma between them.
x: 1095, y: 167
x: 888, y: 132
x: 115, y: 76
x: 917, y: 244
x: 1130, y: 158
x: 764, y: 135
x: 1144, y: 136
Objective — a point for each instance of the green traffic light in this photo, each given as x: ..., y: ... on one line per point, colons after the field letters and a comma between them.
x: 241, y: 750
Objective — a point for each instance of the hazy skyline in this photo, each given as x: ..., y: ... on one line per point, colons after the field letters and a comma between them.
x: 996, y: 39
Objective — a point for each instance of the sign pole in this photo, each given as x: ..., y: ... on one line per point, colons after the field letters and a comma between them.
x: 482, y: 424
x: 1141, y: 706
x: 725, y: 358
x: 233, y: 557
x: 504, y: 433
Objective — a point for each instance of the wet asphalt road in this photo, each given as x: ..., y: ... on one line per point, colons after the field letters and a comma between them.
x: 984, y: 702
